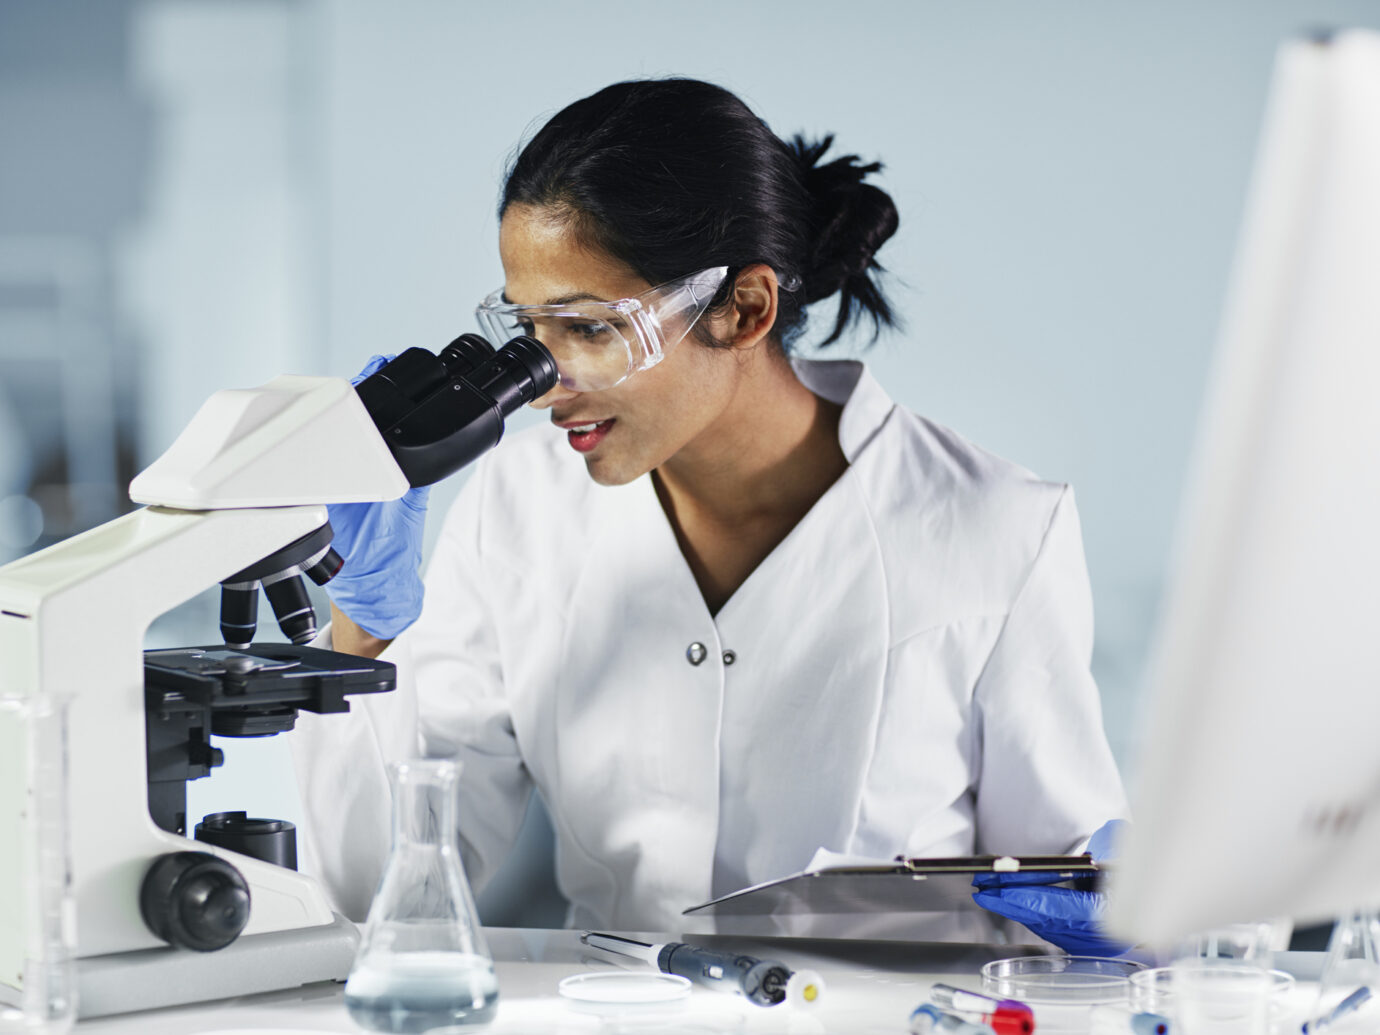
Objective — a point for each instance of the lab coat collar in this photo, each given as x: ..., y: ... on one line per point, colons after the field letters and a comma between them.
x: 848, y: 382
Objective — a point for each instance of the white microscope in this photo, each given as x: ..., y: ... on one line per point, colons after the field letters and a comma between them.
x: 239, y: 499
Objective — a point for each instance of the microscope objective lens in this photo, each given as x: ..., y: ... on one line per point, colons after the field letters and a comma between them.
x: 293, y: 609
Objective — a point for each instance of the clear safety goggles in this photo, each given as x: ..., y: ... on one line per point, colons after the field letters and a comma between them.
x: 600, y: 344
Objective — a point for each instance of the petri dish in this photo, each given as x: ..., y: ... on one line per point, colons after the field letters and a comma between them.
x: 624, y: 988
x: 1153, y: 989
x: 1061, y: 980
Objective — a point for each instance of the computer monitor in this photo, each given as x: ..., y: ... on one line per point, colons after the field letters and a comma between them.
x: 1258, y: 780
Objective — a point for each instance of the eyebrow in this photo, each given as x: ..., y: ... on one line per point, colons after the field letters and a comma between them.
x: 562, y: 300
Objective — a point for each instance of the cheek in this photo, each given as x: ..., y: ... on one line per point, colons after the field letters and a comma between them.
x: 666, y: 408
x: 673, y: 410
x: 655, y: 424
x: 690, y: 380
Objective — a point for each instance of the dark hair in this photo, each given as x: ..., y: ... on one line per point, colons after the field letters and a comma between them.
x: 671, y: 176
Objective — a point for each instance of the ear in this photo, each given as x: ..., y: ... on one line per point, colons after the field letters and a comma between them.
x: 753, y: 312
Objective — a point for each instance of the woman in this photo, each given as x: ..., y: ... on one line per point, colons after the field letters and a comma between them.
x: 733, y: 608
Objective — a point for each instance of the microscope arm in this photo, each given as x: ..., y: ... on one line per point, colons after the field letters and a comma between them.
x: 72, y: 623
x: 249, y: 476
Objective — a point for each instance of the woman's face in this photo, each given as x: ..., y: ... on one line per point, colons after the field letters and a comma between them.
x: 653, y: 415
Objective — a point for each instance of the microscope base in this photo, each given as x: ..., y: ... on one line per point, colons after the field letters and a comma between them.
x: 150, y: 978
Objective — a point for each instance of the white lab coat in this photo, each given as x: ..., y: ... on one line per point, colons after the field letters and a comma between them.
x: 909, y: 674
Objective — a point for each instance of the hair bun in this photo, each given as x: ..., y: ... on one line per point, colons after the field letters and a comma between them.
x: 669, y: 176
x: 852, y: 220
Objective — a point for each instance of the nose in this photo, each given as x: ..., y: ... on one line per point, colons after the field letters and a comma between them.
x: 560, y: 393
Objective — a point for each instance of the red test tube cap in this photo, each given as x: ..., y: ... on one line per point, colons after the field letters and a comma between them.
x: 1010, y: 1017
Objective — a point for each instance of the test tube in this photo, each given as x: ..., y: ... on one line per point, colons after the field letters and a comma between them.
x: 929, y: 1018
x: 1003, y: 1016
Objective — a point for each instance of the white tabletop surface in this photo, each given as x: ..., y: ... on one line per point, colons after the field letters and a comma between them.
x: 871, y: 988
x: 874, y: 989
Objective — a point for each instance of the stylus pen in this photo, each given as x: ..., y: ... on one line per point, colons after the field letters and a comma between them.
x: 760, y: 981
x: 1003, y: 1016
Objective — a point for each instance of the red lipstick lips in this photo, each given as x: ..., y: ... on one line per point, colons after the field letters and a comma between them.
x: 584, y: 437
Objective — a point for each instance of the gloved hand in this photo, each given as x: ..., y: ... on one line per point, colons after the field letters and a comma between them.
x: 380, y: 585
x: 1065, y: 916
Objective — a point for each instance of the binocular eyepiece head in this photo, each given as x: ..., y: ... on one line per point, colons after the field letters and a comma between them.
x: 436, y: 413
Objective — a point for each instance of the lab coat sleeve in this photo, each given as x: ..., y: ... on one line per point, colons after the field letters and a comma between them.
x: 1046, y: 776
x: 341, y: 763
x: 449, y: 702
x: 453, y: 658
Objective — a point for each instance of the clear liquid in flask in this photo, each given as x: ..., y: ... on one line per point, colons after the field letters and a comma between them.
x: 421, y: 991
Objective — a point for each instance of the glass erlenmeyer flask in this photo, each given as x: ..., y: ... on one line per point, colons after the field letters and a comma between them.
x: 1349, y: 988
x: 422, y: 962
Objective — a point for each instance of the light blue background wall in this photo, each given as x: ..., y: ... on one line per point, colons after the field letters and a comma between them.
x: 1070, y: 177
x: 314, y: 181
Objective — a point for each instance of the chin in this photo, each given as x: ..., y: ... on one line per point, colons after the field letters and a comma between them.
x: 610, y: 474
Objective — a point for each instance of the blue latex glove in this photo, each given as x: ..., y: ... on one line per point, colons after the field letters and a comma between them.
x: 380, y: 586
x: 1069, y: 918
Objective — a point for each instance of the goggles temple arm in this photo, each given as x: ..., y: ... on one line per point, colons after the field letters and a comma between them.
x: 650, y: 337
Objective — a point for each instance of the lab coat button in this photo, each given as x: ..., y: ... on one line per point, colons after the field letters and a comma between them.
x: 696, y: 653
x: 730, y: 657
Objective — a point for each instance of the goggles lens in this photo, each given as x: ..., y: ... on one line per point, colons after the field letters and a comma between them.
x: 591, y: 351
x: 597, y: 345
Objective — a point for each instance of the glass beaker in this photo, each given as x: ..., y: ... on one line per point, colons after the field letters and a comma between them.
x: 37, y: 911
x: 422, y: 962
x: 1219, y: 996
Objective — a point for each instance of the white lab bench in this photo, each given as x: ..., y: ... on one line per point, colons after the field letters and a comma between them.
x: 871, y: 988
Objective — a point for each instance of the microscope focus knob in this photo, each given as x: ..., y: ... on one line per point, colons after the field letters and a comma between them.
x: 194, y: 900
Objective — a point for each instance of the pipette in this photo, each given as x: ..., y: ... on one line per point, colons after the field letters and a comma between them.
x: 764, y: 982
x: 1350, y: 1004
x: 1003, y: 1016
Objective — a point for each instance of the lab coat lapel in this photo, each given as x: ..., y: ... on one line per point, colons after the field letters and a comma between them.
x: 809, y: 632
x: 637, y: 742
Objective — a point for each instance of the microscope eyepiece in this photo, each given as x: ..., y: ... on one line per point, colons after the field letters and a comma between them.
x: 539, y: 363
x: 466, y: 353
x: 519, y: 372
x: 434, y: 428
